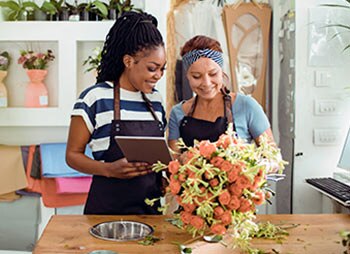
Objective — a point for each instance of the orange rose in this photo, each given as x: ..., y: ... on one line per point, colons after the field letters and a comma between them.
x: 226, y: 218
x: 224, y: 198
x: 218, y: 229
x: 208, y: 174
x: 237, y: 167
x: 226, y: 166
x: 218, y: 211
x: 187, y: 157
x: 243, y: 181
x: 217, y: 161
x: 214, y: 182
x: 235, y: 190
x: 185, y: 217
x: 197, y: 222
x: 234, y: 203
x: 182, y: 177
x: 191, y: 174
x: 232, y: 176
x: 174, y: 167
x: 245, y: 205
x: 206, y: 149
x: 175, y: 187
x: 225, y: 140
x: 267, y: 195
x: 189, y: 207
x: 259, y: 198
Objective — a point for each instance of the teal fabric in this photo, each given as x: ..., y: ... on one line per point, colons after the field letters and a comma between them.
x: 249, y: 118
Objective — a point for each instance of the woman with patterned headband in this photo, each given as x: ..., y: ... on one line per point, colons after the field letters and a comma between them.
x: 207, y: 115
x: 123, y: 102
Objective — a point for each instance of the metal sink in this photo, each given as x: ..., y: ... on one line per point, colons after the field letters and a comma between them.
x: 121, y: 231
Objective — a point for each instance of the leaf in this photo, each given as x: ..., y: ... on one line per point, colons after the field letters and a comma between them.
x: 11, y: 5
x: 48, y: 7
x: 101, y: 7
x: 149, y: 240
x: 30, y: 5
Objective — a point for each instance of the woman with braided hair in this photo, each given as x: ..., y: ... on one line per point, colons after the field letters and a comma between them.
x: 207, y: 115
x: 123, y: 102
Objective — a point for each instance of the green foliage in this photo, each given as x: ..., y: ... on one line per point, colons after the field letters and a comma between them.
x: 20, y: 10
x: 93, y: 60
x: 149, y: 240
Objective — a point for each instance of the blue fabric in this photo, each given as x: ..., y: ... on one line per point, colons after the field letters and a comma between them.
x: 249, y: 118
x: 53, y: 161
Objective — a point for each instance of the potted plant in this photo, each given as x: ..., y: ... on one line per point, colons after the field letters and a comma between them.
x: 51, y: 9
x: 93, y: 10
x: 4, y: 64
x: 117, y: 7
x: 21, y: 10
x: 36, y: 63
x: 93, y: 60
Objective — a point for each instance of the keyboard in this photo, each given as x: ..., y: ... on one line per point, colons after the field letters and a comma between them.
x: 333, y: 188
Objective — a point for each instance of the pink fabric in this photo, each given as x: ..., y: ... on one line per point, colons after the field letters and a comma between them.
x: 73, y: 184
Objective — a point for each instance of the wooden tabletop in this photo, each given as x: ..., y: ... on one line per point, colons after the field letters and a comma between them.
x: 316, y: 234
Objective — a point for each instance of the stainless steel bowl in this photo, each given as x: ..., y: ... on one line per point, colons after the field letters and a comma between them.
x: 121, y: 231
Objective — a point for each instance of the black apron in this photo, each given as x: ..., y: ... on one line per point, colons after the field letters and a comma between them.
x: 192, y: 128
x: 126, y: 196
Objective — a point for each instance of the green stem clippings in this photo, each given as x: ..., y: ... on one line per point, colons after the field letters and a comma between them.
x: 149, y: 240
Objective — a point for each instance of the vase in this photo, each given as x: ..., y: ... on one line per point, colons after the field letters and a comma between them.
x: 3, y: 90
x: 36, y: 95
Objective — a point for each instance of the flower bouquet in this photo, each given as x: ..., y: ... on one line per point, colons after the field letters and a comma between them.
x: 36, y: 94
x: 218, y: 186
x: 35, y: 61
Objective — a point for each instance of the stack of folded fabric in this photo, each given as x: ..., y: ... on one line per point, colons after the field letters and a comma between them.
x: 12, y: 175
x: 48, y: 174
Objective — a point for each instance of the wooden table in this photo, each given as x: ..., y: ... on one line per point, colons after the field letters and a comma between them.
x: 317, y: 234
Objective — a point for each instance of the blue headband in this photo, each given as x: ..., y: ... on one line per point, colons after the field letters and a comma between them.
x: 190, y: 57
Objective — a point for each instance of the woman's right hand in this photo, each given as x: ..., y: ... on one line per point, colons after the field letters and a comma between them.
x: 123, y: 169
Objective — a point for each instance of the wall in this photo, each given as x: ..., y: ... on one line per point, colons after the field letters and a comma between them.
x: 317, y: 161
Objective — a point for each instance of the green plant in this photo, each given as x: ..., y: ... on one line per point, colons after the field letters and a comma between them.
x: 120, y: 5
x: 21, y: 10
x: 51, y: 7
x: 93, y: 60
x: 345, y: 235
x: 96, y: 7
x: 32, y: 60
x: 5, y: 60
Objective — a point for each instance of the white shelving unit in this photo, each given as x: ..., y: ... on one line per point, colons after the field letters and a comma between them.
x: 66, y: 39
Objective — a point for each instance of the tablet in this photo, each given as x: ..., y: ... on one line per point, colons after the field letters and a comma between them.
x: 144, y: 149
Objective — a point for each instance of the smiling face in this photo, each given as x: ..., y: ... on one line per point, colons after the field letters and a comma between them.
x: 143, y: 70
x: 205, y: 77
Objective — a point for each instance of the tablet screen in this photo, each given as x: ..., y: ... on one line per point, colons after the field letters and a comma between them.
x: 144, y: 149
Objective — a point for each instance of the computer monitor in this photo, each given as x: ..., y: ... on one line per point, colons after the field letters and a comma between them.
x: 344, y: 161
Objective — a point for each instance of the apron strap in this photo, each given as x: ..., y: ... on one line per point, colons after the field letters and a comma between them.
x: 193, y: 107
x: 228, y: 104
x: 149, y: 106
x: 116, y: 89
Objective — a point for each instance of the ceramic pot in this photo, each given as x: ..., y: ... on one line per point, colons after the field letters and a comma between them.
x: 36, y: 95
x: 3, y: 90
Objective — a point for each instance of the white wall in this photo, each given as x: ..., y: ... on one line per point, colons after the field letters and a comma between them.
x: 317, y: 161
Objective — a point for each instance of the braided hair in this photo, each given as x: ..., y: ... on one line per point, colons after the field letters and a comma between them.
x: 131, y: 33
